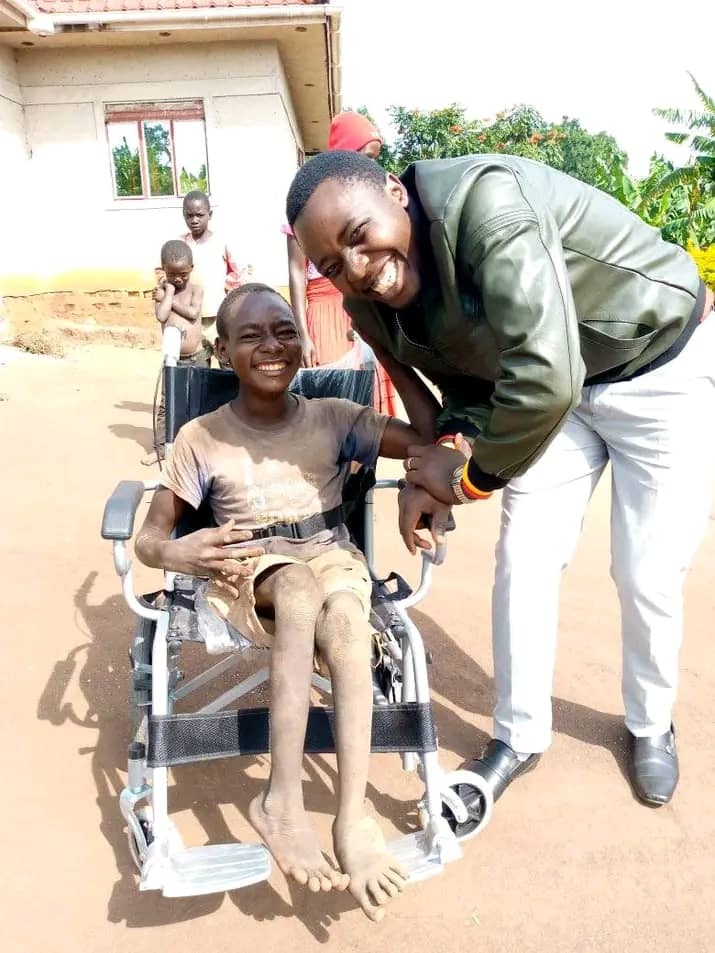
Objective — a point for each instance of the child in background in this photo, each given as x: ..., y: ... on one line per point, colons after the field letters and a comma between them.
x: 214, y: 266
x: 177, y: 303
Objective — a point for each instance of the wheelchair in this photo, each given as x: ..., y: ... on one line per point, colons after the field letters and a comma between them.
x: 167, y: 732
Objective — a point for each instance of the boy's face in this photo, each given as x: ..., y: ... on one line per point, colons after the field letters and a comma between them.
x: 196, y: 215
x: 178, y: 274
x: 263, y: 345
x: 361, y: 238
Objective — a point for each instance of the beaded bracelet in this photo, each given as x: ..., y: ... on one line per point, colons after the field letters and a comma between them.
x: 469, y: 489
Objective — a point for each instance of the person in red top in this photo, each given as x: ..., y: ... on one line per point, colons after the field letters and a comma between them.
x: 325, y: 327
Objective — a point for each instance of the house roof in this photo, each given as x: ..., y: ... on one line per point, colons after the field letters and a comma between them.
x: 131, y: 6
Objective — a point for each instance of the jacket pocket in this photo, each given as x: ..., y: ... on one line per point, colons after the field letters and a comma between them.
x: 603, y: 351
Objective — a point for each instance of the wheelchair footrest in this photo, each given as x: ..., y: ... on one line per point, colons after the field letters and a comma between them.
x: 194, y: 871
x: 418, y: 856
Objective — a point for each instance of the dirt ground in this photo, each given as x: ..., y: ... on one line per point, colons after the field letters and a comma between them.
x: 571, y: 862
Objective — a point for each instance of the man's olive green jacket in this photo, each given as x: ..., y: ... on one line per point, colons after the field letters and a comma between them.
x: 534, y: 282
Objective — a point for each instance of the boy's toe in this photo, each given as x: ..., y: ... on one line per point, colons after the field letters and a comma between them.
x: 314, y: 883
x: 376, y: 891
x: 387, y: 885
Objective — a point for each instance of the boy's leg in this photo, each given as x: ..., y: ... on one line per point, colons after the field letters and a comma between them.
x: 278, y: 814
x: 344, y: 640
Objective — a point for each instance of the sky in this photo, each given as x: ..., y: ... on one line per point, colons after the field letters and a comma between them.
x: 605, y: 63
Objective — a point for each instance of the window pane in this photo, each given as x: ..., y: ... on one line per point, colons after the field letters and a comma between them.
x: 190, y: 146
x: 124, y: 146
x: 157, y: 142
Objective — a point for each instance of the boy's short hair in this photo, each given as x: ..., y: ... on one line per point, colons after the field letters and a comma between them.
x: 176, y: 252
x: 341, y: 165
x: 226, y: 309
x: 196, y: 195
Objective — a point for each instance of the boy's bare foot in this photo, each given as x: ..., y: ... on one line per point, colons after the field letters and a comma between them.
x: 295, y: 848
x: 375, y: 877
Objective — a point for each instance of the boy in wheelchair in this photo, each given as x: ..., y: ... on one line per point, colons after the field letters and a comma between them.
x: 270, y: 460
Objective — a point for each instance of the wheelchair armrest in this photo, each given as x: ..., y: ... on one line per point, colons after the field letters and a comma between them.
x: 121, y: 509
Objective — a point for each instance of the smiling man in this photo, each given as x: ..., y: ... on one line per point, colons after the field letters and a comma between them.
x: 564, y: 333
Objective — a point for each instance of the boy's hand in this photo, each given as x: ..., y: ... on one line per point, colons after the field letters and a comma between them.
x: 414, y: 503
x: 159, y: 292
x: 213, y: 553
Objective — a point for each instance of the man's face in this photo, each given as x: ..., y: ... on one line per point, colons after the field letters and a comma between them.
x: 361, y: 238
x: 196, y: 215
x: 178, y: 274
x: 263, y: 345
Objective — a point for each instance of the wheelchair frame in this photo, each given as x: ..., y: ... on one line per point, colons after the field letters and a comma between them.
x: 456, y: 805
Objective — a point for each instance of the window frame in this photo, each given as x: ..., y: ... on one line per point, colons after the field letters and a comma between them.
x: 162, y: 110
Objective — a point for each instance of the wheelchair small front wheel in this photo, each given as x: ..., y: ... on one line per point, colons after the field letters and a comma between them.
x: 467, y: 803
x: 140, y: 835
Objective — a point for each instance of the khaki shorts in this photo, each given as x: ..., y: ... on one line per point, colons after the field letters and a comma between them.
x: 338, y: 570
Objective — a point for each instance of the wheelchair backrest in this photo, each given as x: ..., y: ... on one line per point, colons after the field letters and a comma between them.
x: 192, y: 391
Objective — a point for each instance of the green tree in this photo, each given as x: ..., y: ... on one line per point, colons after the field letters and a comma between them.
x: 158, y: 153
x: 691, y: 187
x: 127, y: 170
x: 445, y: 133
x: 188, y: 181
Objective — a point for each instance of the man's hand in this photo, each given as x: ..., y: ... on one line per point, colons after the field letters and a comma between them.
x: 213, y: 554
x: 432, y: 468
x: 415, y: 503
x: 310, y: 355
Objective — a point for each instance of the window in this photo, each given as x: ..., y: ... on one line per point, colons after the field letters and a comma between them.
x: 157, y: 149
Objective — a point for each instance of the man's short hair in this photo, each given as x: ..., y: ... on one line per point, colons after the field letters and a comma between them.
x: 227, y: 307
x: 176, y: 252
x: 340, y: 165
x: 196, y: 195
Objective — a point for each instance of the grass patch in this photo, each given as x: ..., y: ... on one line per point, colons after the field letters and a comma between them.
x: 40, y: 341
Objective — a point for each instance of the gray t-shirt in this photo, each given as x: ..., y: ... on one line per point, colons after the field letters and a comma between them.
x: 262, y: 475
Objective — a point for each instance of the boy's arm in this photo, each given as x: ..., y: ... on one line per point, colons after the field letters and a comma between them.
x: 163, y: 307
x: 398, y: 436
x: 205, y: 553
x: 421, y: 405
x: 192, y: 310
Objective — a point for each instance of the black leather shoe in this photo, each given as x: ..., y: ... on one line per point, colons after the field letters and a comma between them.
x: 499, y: 765
x: 654, y: 767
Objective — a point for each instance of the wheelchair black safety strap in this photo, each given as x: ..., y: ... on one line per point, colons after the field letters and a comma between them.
x: 181, y: 739
x: 356, y: 486
x: 305, y: 528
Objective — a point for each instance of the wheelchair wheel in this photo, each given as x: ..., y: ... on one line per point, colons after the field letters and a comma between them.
x: 141, y: 836
x: 473, y: 795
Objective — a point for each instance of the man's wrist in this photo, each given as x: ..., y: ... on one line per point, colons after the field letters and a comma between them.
x: 463, y: 489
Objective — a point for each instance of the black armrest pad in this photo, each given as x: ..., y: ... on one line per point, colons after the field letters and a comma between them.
x: 120, y: 510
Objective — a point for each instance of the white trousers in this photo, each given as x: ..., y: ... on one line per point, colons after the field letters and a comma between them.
x: 658, y: 433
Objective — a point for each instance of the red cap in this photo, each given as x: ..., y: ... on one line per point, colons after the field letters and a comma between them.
x: 351, y: 131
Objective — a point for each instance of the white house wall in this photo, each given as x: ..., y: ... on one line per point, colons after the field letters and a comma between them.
x: 13, y: 146
x: 76, y: 236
